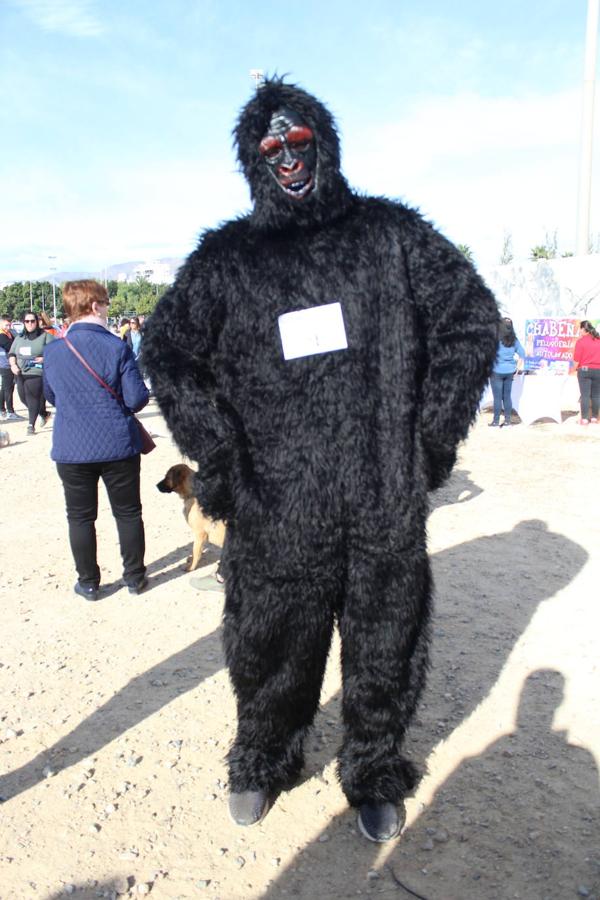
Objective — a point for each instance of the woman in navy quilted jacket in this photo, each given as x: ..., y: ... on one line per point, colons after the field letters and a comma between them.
x: 95, y: 434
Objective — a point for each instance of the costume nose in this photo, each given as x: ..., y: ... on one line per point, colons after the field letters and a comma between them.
x: 291, y: 167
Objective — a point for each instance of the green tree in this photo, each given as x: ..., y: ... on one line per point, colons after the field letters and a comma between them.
x: 466, y: 251
x: 547, y: 250
x: 17, y: 298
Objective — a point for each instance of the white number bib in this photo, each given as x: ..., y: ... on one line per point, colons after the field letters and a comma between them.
x: 307, y: 332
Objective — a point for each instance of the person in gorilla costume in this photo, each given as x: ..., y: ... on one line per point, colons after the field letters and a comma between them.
x: 317, y: 437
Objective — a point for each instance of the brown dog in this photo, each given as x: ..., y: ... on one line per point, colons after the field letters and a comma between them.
x: 179, y: 480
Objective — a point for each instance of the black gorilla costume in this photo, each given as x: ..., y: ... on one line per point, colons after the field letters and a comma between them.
x: 321, y: 463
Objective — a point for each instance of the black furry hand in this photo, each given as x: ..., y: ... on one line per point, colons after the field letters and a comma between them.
x: 440, y: 463
x: 213, y: 492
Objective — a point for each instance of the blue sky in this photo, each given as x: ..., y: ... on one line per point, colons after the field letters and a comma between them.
x: 116, y: 117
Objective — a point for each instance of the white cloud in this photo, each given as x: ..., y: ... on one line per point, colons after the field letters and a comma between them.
x: 479, y: 166
x: 117, y: 215
x: 72, y: 17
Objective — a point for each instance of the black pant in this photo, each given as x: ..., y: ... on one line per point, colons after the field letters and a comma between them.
x: 589, y: 385
x: 31, y: 392
x: 121, y: 478
x: 7, y: 387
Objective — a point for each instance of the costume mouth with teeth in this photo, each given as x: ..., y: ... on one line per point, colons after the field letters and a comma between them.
x: 288, y: 148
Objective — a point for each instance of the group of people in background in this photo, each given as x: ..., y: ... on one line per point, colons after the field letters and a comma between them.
x: 22, y: 362
x: 511, y: 356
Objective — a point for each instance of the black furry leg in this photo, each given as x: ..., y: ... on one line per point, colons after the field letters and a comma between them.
x: 384, y: 633
x: 277, y: 634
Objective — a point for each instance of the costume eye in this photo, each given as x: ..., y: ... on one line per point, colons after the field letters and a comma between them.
x: 300, y: 137
x: 270, y: 148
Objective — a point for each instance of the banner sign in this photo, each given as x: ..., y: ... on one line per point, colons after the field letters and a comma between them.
x: 549, y: 345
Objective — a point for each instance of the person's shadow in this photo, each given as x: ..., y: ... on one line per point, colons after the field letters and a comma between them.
x: 458, y: 489
x: 517, y: 581
x: 520, y: 820
x: 140, y: 698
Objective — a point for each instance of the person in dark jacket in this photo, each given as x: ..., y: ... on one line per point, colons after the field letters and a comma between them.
x: 7, y: 378
x: 95, y: 435
x: 326, y: 354
x: 134, y: 337
x: 26, y: 358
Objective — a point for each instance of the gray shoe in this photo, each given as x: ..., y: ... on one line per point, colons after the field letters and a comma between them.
x: 249, y: 807
x: 379, y: 822
x: 210, y: 584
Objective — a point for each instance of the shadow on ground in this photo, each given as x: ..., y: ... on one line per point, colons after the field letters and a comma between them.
x: 140, y: 698
x: 475, y: 838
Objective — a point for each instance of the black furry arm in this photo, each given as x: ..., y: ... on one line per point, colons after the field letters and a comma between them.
x: 180, y: 341
x: 459, y: 316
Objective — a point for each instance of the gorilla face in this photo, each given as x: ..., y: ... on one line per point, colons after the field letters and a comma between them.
x: 289, y: 150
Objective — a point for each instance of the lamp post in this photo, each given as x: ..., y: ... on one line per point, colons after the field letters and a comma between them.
x: 587, y: 129
x: 53, y: 270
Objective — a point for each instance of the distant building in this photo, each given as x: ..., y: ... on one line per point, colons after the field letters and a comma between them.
x: 156, y: 272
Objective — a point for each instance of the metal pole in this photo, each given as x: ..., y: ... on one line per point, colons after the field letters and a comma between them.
x: 53, y: 270
x: 587, y: 129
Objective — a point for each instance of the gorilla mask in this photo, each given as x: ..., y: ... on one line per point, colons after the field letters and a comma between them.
x: 288, y: 148
x: 289, y: 152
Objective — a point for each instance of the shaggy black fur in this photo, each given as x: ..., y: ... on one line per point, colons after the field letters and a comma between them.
x: 321, y: 465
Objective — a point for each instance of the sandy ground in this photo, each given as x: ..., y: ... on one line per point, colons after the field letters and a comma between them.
x: 116, y: 716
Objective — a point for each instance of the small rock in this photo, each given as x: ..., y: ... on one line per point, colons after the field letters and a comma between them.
x: 69, y: 888
x: 323, y: 838
x: 373, y: 875
x: 143, y: 888
x: 240, y: 862
x: 441, y: 836
x: 427, y: 845
x: 48, y: 772
x: 223, y: 851
x: 10, y: 733
x: 129, y: 855
x: 276, y: 862
x: 583, y: 891
x: 203, y: 883
x: 94, y: 828
x: 109, y: 808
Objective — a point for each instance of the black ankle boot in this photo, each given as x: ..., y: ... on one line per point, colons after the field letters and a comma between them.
x: 380, y: 822
x: 249, y: 807
x: 87, y: 591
